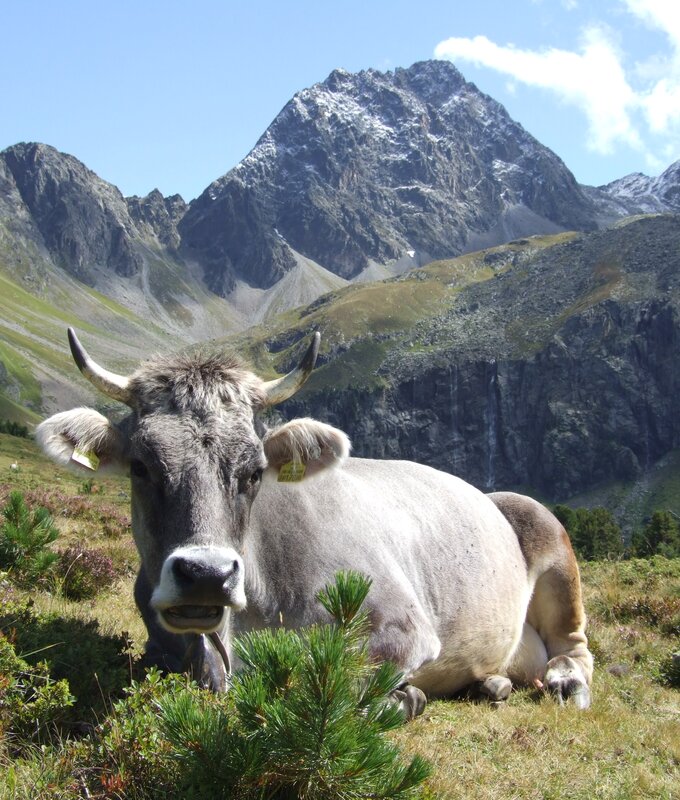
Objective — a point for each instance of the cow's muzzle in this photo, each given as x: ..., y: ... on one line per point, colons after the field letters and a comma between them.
x: 197, y: 584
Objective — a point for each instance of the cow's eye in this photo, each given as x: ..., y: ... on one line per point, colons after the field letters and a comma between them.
x: 138, y: 469
x: 255, y: 478
x: 251, y: 481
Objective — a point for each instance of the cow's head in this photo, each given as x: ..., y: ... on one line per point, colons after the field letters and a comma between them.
x: 196, y: 454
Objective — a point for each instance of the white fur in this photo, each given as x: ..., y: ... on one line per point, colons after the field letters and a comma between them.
x: 82, y: 428
x: 314, y: 444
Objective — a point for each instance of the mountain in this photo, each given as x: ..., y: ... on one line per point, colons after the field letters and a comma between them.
x: 548, y: 364
x: 639, y: 194
x: 376, y: 168
x: 361, y: 177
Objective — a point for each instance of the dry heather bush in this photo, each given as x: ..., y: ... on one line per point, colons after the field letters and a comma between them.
x: 84, y: 572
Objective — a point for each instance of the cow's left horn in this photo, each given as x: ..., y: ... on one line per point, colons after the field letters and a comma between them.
x: 114, y: 386
x: 282, y: 388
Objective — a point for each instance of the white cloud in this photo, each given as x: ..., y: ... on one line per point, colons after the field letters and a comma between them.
x: 591, y: 79
x: 660, y: 97
x: 624, y: 104
x: 664, y: 15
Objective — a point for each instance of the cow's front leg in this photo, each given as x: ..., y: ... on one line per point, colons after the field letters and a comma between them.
x: 192, y: 653
x: 407, y: 640
x: 163, y: 649
x: 410, y: 699
x: 496, y: 688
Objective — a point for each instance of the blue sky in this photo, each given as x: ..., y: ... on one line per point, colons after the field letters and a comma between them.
x: 172, y: 94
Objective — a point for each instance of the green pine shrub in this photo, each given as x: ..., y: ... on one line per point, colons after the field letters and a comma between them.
x: 13, y: 428
x: 305, y: 718
x: 25, y: 537
x: 311, y: 714
x: 661, y: 536
x: 594, y: 533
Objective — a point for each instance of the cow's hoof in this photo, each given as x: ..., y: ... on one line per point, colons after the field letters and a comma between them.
x: 496, y: 688
x: 565, y: 680
x: 410, y: 699
x: 205, y: 665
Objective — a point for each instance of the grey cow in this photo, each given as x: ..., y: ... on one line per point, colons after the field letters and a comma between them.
x: 467, y: 588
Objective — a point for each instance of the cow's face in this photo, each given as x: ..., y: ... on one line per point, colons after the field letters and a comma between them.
x: 195, y: 461
x: 193, y: 483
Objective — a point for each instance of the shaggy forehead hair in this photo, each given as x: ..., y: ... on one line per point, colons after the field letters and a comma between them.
x: 195, y: 380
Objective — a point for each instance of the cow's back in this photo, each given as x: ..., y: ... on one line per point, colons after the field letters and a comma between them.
x: 428, y: 540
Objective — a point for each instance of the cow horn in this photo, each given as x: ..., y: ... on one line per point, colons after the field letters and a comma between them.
x: 282, y: 388
x: 114, y: 386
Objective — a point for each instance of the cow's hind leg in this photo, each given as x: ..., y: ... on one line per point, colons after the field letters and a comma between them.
x: 555, y: 610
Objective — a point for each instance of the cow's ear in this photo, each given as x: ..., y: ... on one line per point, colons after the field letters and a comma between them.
x: 306, y: 441
x: 81, y: 438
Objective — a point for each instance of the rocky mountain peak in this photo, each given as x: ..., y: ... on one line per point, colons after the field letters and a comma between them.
x: 639, y: 194
x: 80, y: 219
x: 377, y: 168
x: 158, y: 216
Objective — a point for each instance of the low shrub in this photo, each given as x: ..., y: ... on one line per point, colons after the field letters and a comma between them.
x: 31, y: 701
x: 657, y: 612
x: 112, y: 521
x: 84, y: 572
x: 97, y: 666
x: 128, y: 756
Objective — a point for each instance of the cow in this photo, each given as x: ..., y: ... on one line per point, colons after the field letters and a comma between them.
x: 238, y: 526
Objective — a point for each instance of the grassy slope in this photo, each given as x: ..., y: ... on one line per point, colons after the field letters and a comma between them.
x: 33, y: 337
x: 356, y: 317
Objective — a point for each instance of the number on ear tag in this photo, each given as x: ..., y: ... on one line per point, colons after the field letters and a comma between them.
x: 88, y: 459
x: 292, y: 472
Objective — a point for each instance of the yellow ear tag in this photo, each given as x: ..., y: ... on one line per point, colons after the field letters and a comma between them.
x: 292, y: 472
x: 88, y: 459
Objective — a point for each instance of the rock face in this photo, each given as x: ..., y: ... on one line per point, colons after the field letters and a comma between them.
x: 375, y: 167
x: 157, y: 217
x: 82, y: 221
x: 555, y: 374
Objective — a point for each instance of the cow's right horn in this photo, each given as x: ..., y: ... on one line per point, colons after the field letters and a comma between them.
x: 115, y: 386
x: 281, y: 389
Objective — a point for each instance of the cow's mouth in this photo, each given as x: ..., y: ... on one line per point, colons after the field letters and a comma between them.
x: 196, y: 618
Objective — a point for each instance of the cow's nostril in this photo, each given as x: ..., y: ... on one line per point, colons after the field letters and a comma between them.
x: 185, y: 570
x: 234, y: 567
